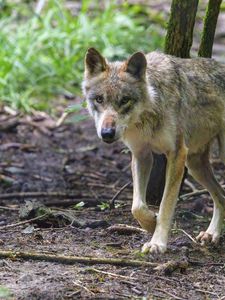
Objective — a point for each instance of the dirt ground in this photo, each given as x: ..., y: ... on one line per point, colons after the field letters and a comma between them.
x: 38, y: 157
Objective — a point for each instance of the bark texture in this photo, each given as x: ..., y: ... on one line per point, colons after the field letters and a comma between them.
x: 179, y: 36
x: 212, y: 13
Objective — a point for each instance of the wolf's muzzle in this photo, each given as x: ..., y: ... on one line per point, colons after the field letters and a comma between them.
x: 108, y: 134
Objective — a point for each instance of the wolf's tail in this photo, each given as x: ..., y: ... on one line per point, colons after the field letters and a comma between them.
x: 221, y: 141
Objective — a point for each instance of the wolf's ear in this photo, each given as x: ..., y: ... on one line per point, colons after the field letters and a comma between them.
x: 94, y: 62
x: 136, y: 65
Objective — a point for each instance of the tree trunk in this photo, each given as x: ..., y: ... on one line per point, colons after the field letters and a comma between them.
x: 212, y: 13
x: 178, y: 42
x: 179, y: 36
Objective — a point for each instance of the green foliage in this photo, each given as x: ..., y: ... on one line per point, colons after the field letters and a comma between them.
x: 79, y: 205
x: 41, y: 57
x: 5, y: 293
x: 104, y: 205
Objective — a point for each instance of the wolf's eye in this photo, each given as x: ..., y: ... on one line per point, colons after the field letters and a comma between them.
x: 124, y: 100
x: 99, y: 99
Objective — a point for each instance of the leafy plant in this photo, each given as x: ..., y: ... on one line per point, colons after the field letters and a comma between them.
x: 79, y: 205
x: 41, y: 57
x: 104, y: 206
x: 5, y: 292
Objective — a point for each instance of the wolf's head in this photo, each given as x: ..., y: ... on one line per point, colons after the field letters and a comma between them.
x: 116, y: 93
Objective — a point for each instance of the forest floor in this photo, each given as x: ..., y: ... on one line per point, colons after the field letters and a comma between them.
x: 37, y: 156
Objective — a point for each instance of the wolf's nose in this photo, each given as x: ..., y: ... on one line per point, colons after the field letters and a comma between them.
x: 108, y: 134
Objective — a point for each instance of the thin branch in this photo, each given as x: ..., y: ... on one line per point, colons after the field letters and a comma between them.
x: 196, y: 193
x: 190, y: 185
x: 111, y: 274
x: 206, y: 292
x: 172, y: 265
x: 187, y: 234
x: 37, y: 195
x: 9, y: 208
x: 168, y: 293
x: 75, y: 259
x: 125, y: 229
x: 22, y: 222
x: 83, y: 287
x: 112, y: 202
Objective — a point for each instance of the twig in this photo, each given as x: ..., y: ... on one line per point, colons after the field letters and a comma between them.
x: 168, y: 293
x: 112, y: 201
x: 10, y: 111
x: 190, y: 185
x: 41, y: 129
x: 9, y: 208
x: 125, y: 229
x: 196, y: 193
x: 7, y: 146
x: 75, y: 199
x: 206, y: 292
x: 74, y: 294
x: 37, y: 195
x: 75, y: 259
x: 111, y: 274
x: 22, y: 222
x: 172, y: 265
x: 61, y: 120
x: 65, y: 203
x: 9, y: 125
x: 187, y: 234
x: 83, y: 287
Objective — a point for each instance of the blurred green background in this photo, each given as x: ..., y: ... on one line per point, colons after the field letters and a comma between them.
x: 42, y: 50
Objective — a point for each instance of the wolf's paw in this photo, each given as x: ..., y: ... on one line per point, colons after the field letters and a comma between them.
x: 205, y: 237
x: 153, y: 248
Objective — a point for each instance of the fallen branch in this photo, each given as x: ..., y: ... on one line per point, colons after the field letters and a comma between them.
x: 22, y: 222
x: 187, y: 234
x: 207, y: 292
x: 9, y: 124
x: 75, y: 259
x: 9, y: 208
x: 38, y: 195
x: 81, y: 285
x: 112, y: 202
x: 168, y: 293
x: 65, y: 203
x: 190, y: 185
x: 36, y: 126
x: 8, y: 146
x: 110, y: 274
x: 172, y: 265
x: 196, y: 193
x: 125, y: 229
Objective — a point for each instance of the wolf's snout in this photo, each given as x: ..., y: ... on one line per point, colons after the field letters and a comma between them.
x: 108, y: 134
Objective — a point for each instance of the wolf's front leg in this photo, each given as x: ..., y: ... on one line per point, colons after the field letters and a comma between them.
x: 141, y: 167
x: 174, y: 174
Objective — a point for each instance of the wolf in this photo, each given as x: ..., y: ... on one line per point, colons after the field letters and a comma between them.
x: 163, y: 104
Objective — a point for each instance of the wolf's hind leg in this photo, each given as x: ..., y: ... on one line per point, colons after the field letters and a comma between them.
x: 141, y: 167
x: 199, y: 167
x: 221, y: 140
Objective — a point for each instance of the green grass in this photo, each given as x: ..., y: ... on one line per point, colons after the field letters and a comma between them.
x: 41, y: 57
